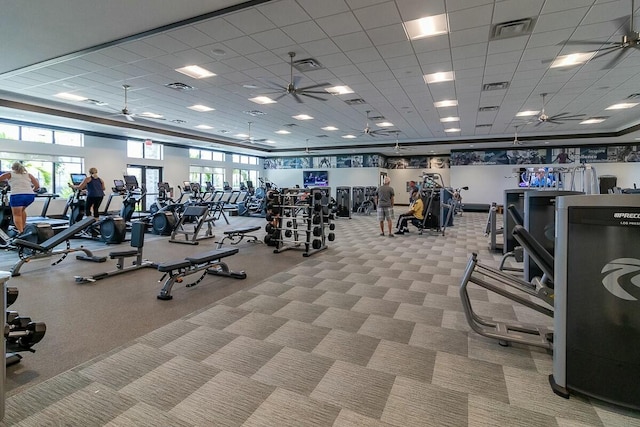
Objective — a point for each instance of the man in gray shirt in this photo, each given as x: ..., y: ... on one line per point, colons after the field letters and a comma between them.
x: 384, y: 201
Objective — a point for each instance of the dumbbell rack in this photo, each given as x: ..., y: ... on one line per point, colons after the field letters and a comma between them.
x: 302, y: 225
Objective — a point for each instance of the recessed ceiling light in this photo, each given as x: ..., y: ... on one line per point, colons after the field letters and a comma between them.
x: 452, y: 130
x: 204, y: 127
x: 283, y: 132
x: 445, y: 76
x: 195, y: 71
x: 593, y: 120
x: 242, y: 135
x: 201, y: 108
x: 151, y: 115
x: 262, y: 100
x: 384, y: 124
x: 339, y: 90
x: 330, y: 128
x: 446, y: 103
x: 572, y: 59
x: 70, y: 96
x: 450, y: 119
x: 348, y: 136
x: 426, y: 27
x: 269, y: 141
x: 302, y: 117
x: 621, y: 106
x: 527, y: 113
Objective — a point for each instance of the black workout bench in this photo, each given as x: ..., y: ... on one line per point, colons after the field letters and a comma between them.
x: 28, y: 251
x: 237, y: 235
x: 207, y: 262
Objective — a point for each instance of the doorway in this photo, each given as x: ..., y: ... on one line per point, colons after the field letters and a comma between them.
x: 148, y: 178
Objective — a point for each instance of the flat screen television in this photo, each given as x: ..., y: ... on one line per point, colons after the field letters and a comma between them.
x: 77, y: 178
x: 315, y: 179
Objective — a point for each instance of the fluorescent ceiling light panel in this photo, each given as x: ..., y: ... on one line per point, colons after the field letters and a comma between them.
x: 449, y: 119
x: 204, y: 127
x: 270, y: 141
x: 151, y: 115
x: 572, y: 59
x: 330, y: 128
x: 201, y: 108
x: 195, y: 72
x: 283, y: 132
x: 426, y: 27
x: 384, y: 124
x: 593, y: 121
x: 302, y: 117
x: 348, y: 136
x: 262, y: 100
x: 527, y: 113
x: 446, y: 103
x: 70, y: 96
x: 445, y: 76
x: 621, y: 106
x: 339, y: 90
x: 452, y: 130
x: 242, y: 135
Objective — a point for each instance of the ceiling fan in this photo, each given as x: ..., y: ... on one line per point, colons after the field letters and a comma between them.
x: 293, y: 89
x: 128, y: 114
x: 630, y: 39
x: 556, y: 119
x: 515, y: 139
x: 397, y: 149
x: 375, y: 132
x: 250, y: 139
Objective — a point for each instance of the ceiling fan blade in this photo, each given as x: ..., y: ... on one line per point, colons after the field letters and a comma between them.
x: 315, y: 86
x: 319, y: 92
x: 277, y: 98
x: 617, y: 58
x: 554, y: 122
x: 605, y: 51
x: 566, y: 116
x: 312, y: 96
x: 583, y: 43
x: 274, y: 85
x: 297, y: 98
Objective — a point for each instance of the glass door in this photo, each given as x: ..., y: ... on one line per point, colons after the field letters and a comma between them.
x: 148, y: 177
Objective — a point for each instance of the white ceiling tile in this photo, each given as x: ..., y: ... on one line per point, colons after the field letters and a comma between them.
x: 338, y: 61
x: 386, y: 35
x: 395, y: 50
x: 304, y: 32
x: 469, y: 36
x: 320, y: 47
x: 470, y: 18
x: 363, y: 55
x: 559, y: 20
x: 284, y: 12
x: 249, y: 21
x: 264, y: 58
x: 435, y: 57
x: 319, y: 9
x: 191, y: 36
x: 343, y: 23
x: 510, y: 10
x: 403, y: 62
x: 507, y: 45
x: 353, y: 41
x: 414, y: 9
x: 244, y: 45
x: 165, y: 43
x: 273, y: 39
x: 373, y: 66
x: 219, y: 29
x: 380, y: 15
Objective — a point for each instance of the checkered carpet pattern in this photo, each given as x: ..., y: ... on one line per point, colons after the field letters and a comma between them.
x: 369, y: 332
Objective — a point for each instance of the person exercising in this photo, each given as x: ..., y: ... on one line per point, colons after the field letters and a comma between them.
x: 416, y: 212
x: 95, y: 192
x: 23, y: 188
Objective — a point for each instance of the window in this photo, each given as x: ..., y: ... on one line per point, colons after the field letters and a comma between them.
x: 68, y: 138
x: 145, y: 150
x: 51, y: 172
x: 203, y: 174
x: 8, y: 131
x: 37, y: 135
x: 244, y: 175
x: 195, y: 153
x: 245, y: 160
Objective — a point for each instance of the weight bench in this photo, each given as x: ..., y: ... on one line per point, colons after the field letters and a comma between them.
x: 207, y: 262
x: 239, y: 234
x: 28, y: 251
x: 137, y: 243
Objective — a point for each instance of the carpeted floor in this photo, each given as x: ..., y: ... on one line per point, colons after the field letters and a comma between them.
x: 369, y: 332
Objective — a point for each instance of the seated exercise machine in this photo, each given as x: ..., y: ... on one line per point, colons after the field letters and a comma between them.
x: 515, y: 289
x: 137, y: 243
x: 20, y: 333
x: 29, y: 251
x: 237, y: 235
x: 517, y: 253
x: 207, y: 263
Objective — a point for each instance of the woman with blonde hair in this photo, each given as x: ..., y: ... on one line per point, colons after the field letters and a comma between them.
x: 95, y: 192
x: 23, y: 188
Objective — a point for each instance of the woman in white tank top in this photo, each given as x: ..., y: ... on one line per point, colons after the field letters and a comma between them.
x: 23, y: 187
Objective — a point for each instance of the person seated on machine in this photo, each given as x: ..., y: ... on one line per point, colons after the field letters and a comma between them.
x: 416, y: 212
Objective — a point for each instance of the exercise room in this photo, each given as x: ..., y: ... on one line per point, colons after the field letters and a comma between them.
x: 338, y: 213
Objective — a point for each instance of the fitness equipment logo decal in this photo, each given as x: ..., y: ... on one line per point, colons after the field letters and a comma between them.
x: 622, y: 272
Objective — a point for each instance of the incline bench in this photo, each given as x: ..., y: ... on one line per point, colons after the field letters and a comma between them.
x: 28, y: 251
x: 238, y: 234
x: 207, y: 262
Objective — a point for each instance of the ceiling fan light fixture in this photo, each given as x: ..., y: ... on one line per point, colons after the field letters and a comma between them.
x: 262, y: 100
x: 195, y: 71
x: 445, y: 76
x: 427, y: 26
x: 302, y: 117
x: 339, y: 90
x: 572, y: 59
